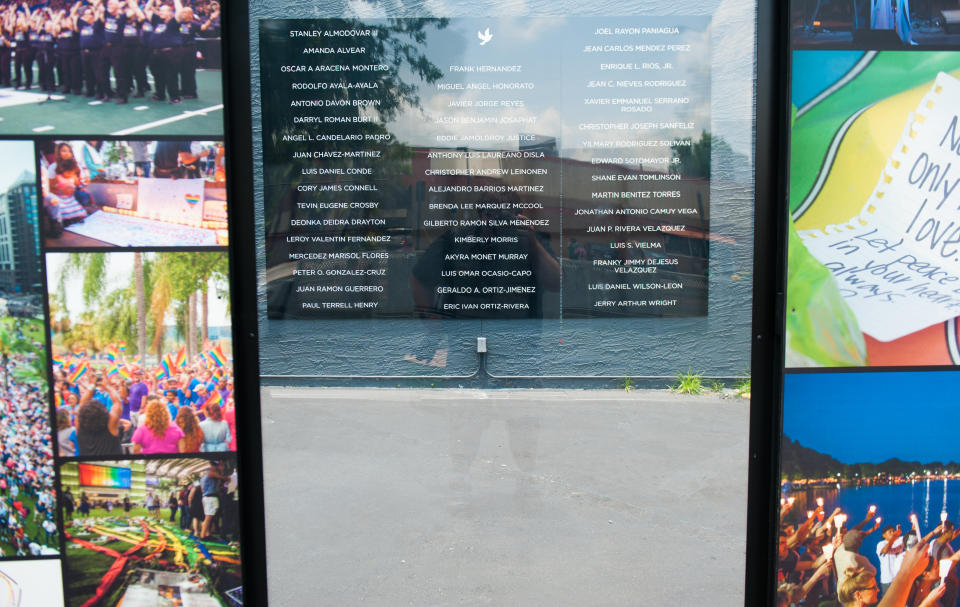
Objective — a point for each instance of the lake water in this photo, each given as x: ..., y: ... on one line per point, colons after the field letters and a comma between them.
x: 895, y: 503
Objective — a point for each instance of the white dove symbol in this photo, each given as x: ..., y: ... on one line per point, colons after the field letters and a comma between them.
x: 484, y: 36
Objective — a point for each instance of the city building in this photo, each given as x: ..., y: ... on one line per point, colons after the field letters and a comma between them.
x: 19, y: 243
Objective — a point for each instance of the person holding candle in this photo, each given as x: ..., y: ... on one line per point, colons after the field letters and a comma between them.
x: 890, y: 552
x: 940, y: 549
x: 849, y: 559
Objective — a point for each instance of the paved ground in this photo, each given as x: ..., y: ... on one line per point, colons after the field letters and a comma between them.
x: 460, y: 497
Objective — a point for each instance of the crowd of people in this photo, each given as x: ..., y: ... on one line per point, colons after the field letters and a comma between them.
x: 77, y: 46
x: 207, y: 506
x: 186, y: 409
x: 27, y: 511
x: 822, y: 561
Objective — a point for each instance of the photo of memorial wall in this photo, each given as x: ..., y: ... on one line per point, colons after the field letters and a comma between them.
x: 141, y: 353
x: 133, y: 193
x: 145, y: 533
x: 874, y: 266
x: 476, y: 184
x: 113, y: 68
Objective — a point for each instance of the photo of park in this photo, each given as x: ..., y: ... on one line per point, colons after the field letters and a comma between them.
x: 863, y: 483
x: 141, y: 353
x: 152, y: 533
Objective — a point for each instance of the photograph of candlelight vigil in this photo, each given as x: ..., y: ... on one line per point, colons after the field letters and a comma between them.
x: 133, y: 193
x: 141, y: 353
x: 870, y: 489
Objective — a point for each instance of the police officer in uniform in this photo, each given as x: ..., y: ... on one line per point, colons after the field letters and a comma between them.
x: 68, y: 51
x: 23, y: 59
x: 165, y: 43
x: 91, y: 50
x: 6, y: 50
x: 115, y: 51
x: 136, y: 57
x: 45, y: 58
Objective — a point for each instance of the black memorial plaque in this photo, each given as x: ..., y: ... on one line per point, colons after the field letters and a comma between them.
x: 486, y: 168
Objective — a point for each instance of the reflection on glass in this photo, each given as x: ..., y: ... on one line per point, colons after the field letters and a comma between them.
x: 486, y: 168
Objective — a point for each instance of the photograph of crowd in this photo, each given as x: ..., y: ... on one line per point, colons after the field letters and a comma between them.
x: 141, y: 353
x: 136, y: 193
x: 868, y: 514
x: 143, y: 531
x: 117, y: 63
x: 28, y: 524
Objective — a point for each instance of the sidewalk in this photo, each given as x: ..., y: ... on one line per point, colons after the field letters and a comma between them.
x: 532, y: 497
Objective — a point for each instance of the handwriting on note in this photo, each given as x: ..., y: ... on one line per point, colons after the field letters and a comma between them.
x: 897, y: 263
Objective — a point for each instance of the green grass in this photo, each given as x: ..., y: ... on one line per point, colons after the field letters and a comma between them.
x: 85, y: 569
x: 628, y: 384
x: 717, y: 386
x: 742, y: 387
x: 31, y: 530
x: 76, y: 116
x: 688, y: 383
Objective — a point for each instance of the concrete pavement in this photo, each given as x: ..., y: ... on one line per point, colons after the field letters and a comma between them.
x: 526, y: 497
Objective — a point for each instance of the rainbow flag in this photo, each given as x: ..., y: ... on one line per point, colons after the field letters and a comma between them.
x: 219, y: 358
x: 205, y: 358
x: 214, y: 399
x: 112, y: 354
x: 161, y: 373
x: 113, y: 371
x: 181, y: 360
x: 192, y: 198
x: 124, y: 372
x: 167, y: 365
x: 122, y: 346
x: 58, y: 400
x: 138, y: 361
x: 77, y: 373
x: 57, y: 360
x: 80, y: 352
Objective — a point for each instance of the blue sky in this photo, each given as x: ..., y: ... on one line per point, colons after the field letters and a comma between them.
x: 874, y: 416
x: 15, y: 158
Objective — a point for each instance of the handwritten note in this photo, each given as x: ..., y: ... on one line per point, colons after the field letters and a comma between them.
x: 897, y: 263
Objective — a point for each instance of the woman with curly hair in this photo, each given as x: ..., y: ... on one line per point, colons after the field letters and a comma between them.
x: 216, y: 431
x: 157, y: 434
x: 193, y: 435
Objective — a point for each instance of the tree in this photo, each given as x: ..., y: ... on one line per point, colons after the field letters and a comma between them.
x: 179, y: 276
x: 114, y: 317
